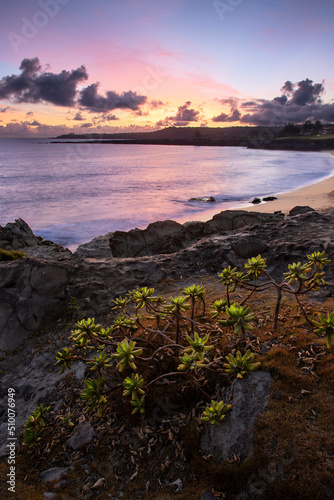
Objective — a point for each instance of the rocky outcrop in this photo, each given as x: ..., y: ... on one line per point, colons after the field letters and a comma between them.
x: 168, y: 236
x: 158, y: 237
x: 97, y: 248
x: 19, y: 236
x: 32, y: 297
x: 300, y: 210
x: 232, y: 220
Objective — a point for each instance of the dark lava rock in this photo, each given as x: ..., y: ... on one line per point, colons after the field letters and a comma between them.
x: 32, y: 296
x: 53, y: 474
x: 83, y: 434
x: 248, y: 247
x: 300, y: 210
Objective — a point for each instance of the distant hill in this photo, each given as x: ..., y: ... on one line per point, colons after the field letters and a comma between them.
x: 251, y: 137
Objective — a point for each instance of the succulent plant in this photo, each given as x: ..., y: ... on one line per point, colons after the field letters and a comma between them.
x: 133, y: 386
x: 143, y: 296
x: 34, y: 426
x: 126, y: 355
x: 241, y: 365
x: 216, y: 412
x: 64, y: 359
x: 325, y: 327
x: 84, y: 331
x: 120, y: 303
x: 176, y: 307
x: 256, y: 266
x: 218, y: 307
x: 95, y: 392
x: 297, y: 271
x: 189, y: 362
x: 102, y: 361
x: 319, y: 259
x: 138, y: 404
x: 194, y: 293
x: 239, y: 317
x: 198, y: 346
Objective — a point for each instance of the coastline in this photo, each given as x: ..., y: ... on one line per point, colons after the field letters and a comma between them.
x: 319, y: 196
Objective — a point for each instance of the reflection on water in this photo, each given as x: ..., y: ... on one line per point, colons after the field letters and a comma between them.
x: 71, y: 193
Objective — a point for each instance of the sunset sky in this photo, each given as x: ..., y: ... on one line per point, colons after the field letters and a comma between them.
x: 133, y: 65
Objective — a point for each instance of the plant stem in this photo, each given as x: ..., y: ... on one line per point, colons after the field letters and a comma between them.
x: 304, y: 312
x: 278, y: 303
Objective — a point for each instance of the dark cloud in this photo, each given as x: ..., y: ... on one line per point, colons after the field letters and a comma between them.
x: 78, y: 117
x: 91, y: 100
x: 8, y: 109
x: 34, y: 85
x: 186, y: 114
x: 30, y: 113
x: 229, y: 101
x: 282, y: 99
x: 86, y: 125
x: 233, y: 117
x: 105, y: 118
x: 306, y: 93
x: 35, y: 123
x: 287, y: 87
x: 140, y: 112
x: 110, y: 118
x: 183, y: 117
x: 156, y: 104
x: 24, y: 129
x: 299, y: 102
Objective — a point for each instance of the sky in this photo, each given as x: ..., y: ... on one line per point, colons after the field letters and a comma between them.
x: 139, y: 65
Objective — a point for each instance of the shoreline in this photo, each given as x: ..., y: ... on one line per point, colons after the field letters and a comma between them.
x: 319, y: 196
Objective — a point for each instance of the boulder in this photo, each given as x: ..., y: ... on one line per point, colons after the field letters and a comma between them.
x: 54, y: 474
x: 97, y: 248
x: 194, y: 229
x: 82, y: 435
x: 300, y: 210
x: 159, y: 237
x: 17, y: 235
x: 248, y: 247
x: 234, y: 436
x: 206, y: 199
x: 230, y: 220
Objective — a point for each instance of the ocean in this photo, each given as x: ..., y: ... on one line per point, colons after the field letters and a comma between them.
x: 71, y: 193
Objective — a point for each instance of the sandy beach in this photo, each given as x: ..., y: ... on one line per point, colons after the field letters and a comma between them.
x: 319, y: 196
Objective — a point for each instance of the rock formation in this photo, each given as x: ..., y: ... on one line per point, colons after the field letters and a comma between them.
x: 33, y: 289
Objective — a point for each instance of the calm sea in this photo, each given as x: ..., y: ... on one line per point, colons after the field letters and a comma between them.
x: 70, y: 193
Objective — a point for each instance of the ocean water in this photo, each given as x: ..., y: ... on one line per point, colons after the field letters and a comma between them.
x: 70, y: 193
